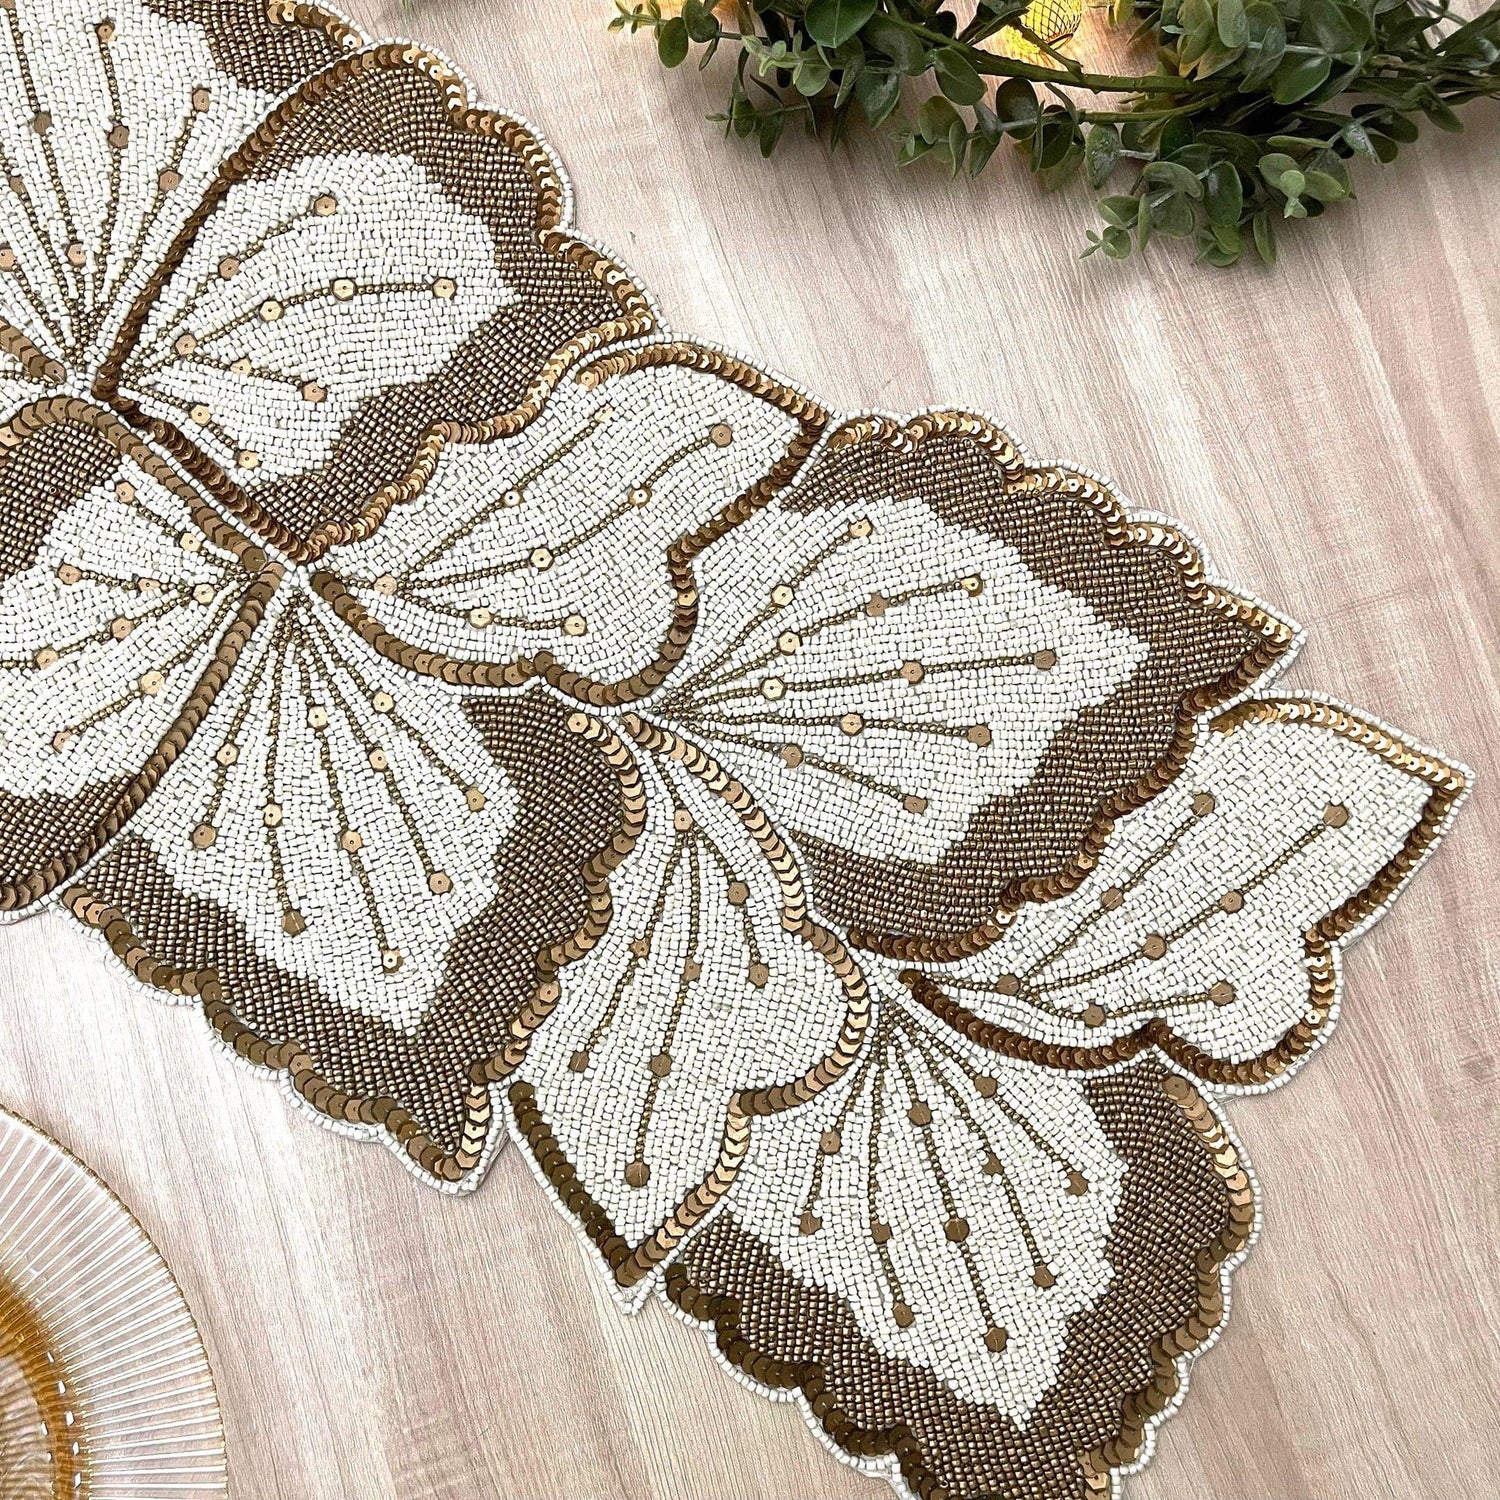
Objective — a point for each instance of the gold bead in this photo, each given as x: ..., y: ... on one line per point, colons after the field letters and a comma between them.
x: 382, y: 703
x: 325, y: 204
x: 204, y: 835
x: 343, y: 288
x: 541, y: 558
x: 390, y: 959
x: 439, y: 883
x: 773, y: 689
x: 385, y: 584
x: 270, y: 815
x: 575, y: 625
x: 475, y: 798
x: 444, y: 287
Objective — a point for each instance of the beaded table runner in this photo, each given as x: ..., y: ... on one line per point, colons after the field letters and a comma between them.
x: 850, y: 859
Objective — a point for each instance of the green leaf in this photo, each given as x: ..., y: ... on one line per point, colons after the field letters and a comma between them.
x: 981, y: 148
x: 1101, y: 154
x: 810, y: 76
x: 1224, y: 194
x: 1175, y: 135
x: 1173, y: 176
x: 956, y: 76
x: 831, y: 23
x: 1173, y: 216
x: 898, y: 44
x: 1323, y: 187
x: 702, y: 24
x: 1441, y: 116
x: 1265, y: 45
x: 878, y: 95
x: 1062, y: 171
x: 936, y: 118
x: 1297, y: 77
x: 1117, y: 244
x: 1016, y: 106
x: 1264, y: 230
x: 1334, y: 26
x: 1234, y: 31
x: 1358, y: 138
x: 771, y: 126
x: 1119, y: 209
x: 672, y: 42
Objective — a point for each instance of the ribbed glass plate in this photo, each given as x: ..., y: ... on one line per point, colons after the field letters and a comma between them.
x: 105, y: 1390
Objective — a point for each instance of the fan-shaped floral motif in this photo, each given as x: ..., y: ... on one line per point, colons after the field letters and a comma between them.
x: 847, y: 856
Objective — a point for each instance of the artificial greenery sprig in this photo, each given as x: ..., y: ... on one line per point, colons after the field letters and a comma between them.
x: 1252, y: 114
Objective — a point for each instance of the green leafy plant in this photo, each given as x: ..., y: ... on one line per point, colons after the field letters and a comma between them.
x: 1251, y: 117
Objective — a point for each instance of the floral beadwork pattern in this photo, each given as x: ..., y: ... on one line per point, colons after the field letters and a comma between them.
x: 849, y: 858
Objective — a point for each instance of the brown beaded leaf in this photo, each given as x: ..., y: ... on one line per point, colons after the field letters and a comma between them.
x: 1210, y: 926
x: 713, y: 1001
x: 396, y: 1015
x: 1006, y: 1362
x: 128, y: 602
x: 947, y: 672
x: 570, y: 551
x: 379, y: 270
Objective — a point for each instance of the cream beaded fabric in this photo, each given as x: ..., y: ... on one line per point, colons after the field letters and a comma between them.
x: 851, y: 860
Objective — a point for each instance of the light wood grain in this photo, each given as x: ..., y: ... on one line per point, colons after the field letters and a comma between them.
x: 1330, y: 430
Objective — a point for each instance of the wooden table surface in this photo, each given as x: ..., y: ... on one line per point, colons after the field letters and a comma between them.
x: 1330, y: 429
